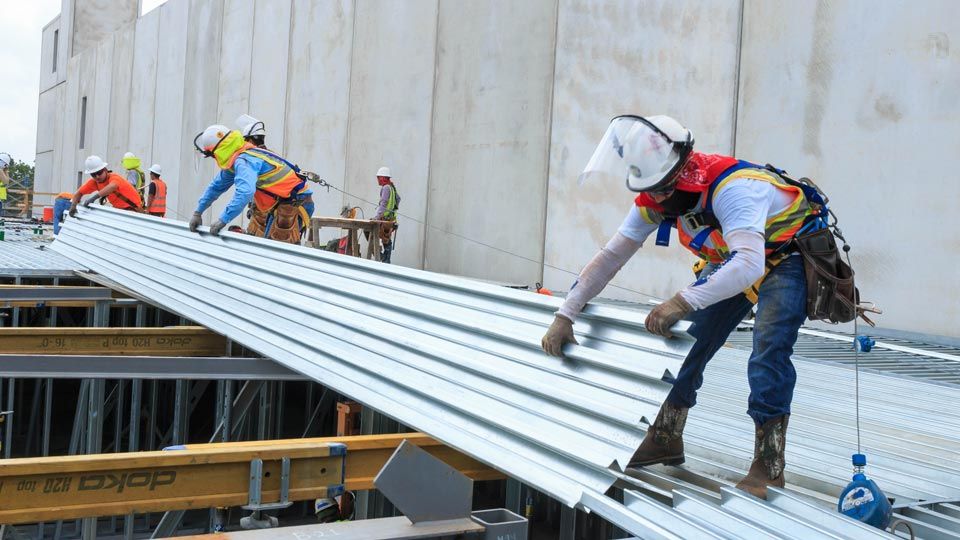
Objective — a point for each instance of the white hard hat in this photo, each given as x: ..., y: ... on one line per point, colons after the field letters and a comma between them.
x: 155, y: 169
x: 94, y: 164
x: 250, y: 126
x: 209, y: 138
x: 129, y: 155
x: 5, y: 160
x: 384, y: 171
x: 645, y: 152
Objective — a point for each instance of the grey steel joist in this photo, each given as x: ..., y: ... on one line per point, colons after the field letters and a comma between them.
x: 144, y: 367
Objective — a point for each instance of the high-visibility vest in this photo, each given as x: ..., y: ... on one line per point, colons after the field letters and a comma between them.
x: 701, y: 234
x: 158, y: 204
x: 390, y: 213
x: 278, y: 181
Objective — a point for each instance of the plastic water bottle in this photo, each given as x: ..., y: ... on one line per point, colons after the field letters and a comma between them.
x: 863, y: 500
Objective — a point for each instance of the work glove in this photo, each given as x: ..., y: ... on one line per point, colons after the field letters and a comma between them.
x: 217, y: 227
x: 73, y: 210
x: 559, y: 334
x: 664, y: 316
x: 90, y: 200
x: 195, y: 221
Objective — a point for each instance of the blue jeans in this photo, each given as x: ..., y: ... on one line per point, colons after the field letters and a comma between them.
x: 781, y: 311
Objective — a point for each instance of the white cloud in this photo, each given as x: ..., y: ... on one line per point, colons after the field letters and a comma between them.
x: 20, y: 26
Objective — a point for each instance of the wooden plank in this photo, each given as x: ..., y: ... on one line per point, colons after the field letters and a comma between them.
x: 171, y: 341
x: 200, y: 476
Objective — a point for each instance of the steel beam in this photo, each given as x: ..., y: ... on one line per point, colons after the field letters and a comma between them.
x: 48, y: 293
x: 143, y: 367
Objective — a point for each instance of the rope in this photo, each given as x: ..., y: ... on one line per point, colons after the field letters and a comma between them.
x: 478, y: 242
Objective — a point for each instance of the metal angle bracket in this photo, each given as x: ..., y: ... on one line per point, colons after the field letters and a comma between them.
x: 255, y: 496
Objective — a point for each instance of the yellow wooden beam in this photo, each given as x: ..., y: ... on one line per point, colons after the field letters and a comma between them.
x: 170, y: 341
x: 200, y: 476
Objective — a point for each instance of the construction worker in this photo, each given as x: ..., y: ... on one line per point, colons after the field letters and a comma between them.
x: 135, y: 176
x: 279, y: 195
x: 61, y: 205
x: 387, y: 211
x: 5, y: 161
x: 104, y: 183
x: 253, y: 130
x: 740, y: 218
x: 156, y: 193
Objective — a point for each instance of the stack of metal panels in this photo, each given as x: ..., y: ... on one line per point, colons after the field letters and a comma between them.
x: 460, y: 360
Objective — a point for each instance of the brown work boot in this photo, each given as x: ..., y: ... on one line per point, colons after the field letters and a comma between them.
x: 664, y: 440
x: 768, y: 460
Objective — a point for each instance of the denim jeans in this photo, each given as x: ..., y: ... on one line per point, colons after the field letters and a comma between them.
x: 781, y: 310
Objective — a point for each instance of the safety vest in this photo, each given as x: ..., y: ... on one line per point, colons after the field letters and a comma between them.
x: 158, y: 205
x: 136, y: 178
x: 699, y: 230
x: 279, y: 181
x: 390, y: 213
x: 3, y: 191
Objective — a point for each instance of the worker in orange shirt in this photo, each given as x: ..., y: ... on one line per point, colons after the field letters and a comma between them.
x: 105, y: 183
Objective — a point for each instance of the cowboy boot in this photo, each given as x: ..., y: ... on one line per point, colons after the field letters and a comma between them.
x: 664, y: 440
x: 768, y: 460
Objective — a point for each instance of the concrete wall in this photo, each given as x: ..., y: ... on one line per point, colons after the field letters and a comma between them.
x: 93, y: 20
x: 611, y: 60
x: 391, y: 110
x: 486, y: 111
x: 491, y: 125
x: 872, y: 116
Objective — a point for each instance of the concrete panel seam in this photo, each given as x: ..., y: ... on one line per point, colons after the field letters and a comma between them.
x: 549, y: 145
x: 286, y: 93
x: 736, y: 81
x: 433, y: 109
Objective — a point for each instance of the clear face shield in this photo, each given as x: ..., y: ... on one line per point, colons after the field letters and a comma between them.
x: 637, y: 152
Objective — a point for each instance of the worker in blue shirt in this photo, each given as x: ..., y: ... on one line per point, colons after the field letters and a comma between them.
x: 282, y: 202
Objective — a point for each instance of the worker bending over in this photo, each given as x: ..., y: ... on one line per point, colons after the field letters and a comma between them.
x: 104, y: 183
x: 387, y: 211
x: 282, y: 202
x: 740, y: 218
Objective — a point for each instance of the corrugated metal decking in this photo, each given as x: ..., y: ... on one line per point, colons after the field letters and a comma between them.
x: 460, y: 360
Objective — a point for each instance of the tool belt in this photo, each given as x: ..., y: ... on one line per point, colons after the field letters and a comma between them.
x: 282, y: 222
x: 386, y: 232
x: 831, y: 294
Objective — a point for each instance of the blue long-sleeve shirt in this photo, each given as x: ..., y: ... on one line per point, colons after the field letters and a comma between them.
x: 246, y: 169
x: 244, y: 181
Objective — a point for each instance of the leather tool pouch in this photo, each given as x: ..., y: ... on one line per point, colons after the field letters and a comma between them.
x: 831, y: 294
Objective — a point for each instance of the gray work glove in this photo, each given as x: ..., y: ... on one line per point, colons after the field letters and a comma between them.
x: 90, y: 200
x: 559, y: 334
x: 195, y: 221
x: 73, y: 210
x: 217, y: 227
x: 664, y: 316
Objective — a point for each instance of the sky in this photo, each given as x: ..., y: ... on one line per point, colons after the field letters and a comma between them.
x: 20, y: 26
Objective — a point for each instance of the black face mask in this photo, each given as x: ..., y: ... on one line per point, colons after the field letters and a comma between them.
x: 679, y: 202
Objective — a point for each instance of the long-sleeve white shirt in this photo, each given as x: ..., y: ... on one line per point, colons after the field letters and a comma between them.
x: 741, y: 207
